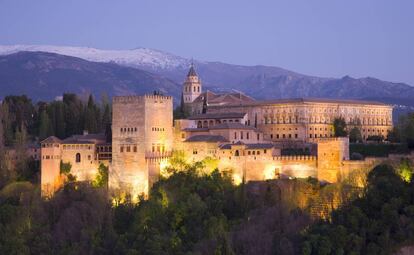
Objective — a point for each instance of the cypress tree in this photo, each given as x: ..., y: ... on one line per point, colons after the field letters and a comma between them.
x: 44, y: 126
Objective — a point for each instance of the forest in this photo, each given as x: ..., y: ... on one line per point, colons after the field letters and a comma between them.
x: 192, y: 211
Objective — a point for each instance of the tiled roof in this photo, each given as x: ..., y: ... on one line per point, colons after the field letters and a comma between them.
x: 207, y: 138
x: 224, y: 115
x: 195, y: 129
x: 51, y: 139
x: 250, y: 146
x: 223, y: 99
x: 259, y: 145
x: 232, y: 125
x: 85, y: 139
x: 307, y: 100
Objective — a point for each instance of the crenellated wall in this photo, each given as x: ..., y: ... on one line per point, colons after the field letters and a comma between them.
x: 142, y: 126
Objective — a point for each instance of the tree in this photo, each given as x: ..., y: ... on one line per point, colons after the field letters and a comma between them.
x: 65, y: 168
x: 3, y: 169
x: 22, y: 159
x: 45, y: 128
x: 101, y: 179
x: 7, y: 124
x: 339, y: 126
x: 92, y: 116
x: 355, y: 135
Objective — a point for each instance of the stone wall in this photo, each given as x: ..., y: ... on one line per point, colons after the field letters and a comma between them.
x: 142, y: 127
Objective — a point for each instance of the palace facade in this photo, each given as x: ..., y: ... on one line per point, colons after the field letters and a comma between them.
x: 240, y: 134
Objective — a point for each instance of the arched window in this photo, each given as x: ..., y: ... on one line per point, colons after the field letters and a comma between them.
x: 198, y: 89
x: 237, y: 153
x: 78, y: 157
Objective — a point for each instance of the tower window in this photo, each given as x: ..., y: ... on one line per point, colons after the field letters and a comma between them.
x: 198, y: 89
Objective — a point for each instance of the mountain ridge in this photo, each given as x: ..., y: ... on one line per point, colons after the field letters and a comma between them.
x: 147, y: 69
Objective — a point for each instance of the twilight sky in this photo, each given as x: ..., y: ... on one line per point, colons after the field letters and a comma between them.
x: 319, y: 37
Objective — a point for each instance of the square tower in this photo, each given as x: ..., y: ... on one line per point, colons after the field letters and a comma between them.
x: 142, y: 128
x: 331, y: 153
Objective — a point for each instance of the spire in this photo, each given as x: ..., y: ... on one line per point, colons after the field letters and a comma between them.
x: 192, y: 71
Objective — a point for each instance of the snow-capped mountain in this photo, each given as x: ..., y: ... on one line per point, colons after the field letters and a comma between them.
x: 45, y: 72
x: 142, y: 57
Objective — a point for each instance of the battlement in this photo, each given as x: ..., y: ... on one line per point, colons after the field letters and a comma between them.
x: 295, y: 158
x: 332, y: 139
x: 138, y: 98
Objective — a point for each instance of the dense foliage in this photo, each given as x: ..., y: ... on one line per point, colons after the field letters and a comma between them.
x: 61, y: 118
x: 377, y: 223
x: 339, y: 126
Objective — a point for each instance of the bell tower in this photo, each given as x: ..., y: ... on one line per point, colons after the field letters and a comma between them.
x: 191, y: 87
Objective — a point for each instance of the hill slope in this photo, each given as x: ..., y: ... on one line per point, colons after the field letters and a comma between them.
x: 262, y: 82
x: 43, y: 76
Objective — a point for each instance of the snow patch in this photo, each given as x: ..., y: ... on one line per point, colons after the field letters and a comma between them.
x: 136, y: 57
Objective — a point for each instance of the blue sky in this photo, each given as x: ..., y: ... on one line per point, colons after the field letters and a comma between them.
x: 323, y: 38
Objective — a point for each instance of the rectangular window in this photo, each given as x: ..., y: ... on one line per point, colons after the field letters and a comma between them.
x: 247, y: 135
x: 241, y: 135
x: 122, y: 149
x: 277, y: 136
x: 296, y: 135
x: 235, y: 135
x: 128, y: 148
x: 135, y: 148
x: 290, y: 135
x: 310, y: 135
x: 258, y: 136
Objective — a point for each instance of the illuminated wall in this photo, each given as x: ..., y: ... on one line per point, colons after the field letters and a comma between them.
x: 141, y: 132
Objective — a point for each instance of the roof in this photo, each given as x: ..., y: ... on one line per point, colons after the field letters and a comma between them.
x: 196, y: 129
x: 192, y: 71
x: 85, y: 139
x: 308, y: 100
x: 250, y: 146
x: 259, y: 145
x: 223, y: 99
x: 221, y: 115
x: 232, y: 125
x: 51, y: 139
x: 207, y: 138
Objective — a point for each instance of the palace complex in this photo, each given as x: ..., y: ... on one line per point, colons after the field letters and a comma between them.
x: 244, y: 136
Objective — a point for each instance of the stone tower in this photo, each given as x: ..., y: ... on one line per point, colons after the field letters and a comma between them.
x: 191, y: 89
x: 51, y: 151
x: 141, y: 133
x: 331, y: 153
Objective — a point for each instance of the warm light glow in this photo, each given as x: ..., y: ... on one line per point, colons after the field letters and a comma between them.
x: 164, y: 165
x: 269, y: 172
x: 237, y: 179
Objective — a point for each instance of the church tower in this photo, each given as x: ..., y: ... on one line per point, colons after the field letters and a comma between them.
x: 191, y: 88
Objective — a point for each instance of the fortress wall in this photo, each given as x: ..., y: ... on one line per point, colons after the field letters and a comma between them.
x: 264, y: 167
